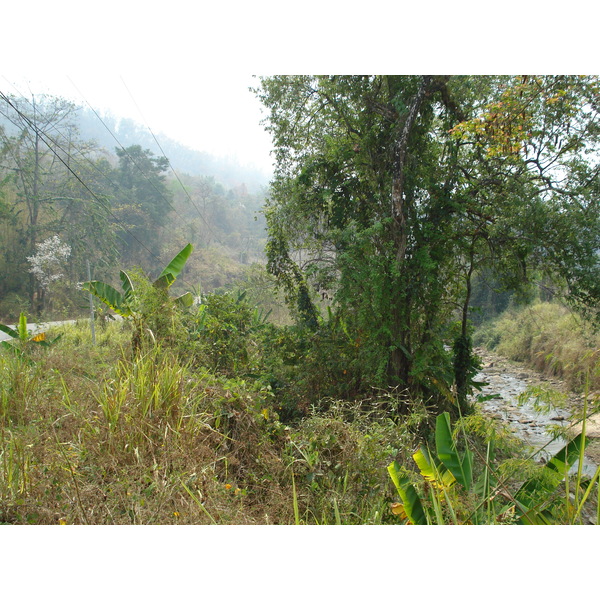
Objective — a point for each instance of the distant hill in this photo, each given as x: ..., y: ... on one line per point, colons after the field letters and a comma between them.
x: 110, y: 132
x: 226, y: 171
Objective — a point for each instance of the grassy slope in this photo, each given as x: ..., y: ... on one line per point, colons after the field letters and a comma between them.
x: 550, y: 338
x: 90, y: 436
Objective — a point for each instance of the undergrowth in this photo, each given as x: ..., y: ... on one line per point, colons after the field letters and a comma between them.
x: 224, y: 424
x: 91, y: 435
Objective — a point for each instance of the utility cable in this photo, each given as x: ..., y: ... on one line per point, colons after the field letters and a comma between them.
x: 112, y: 183
x: 185, y: 223
x: 43, y: 137
x: 169, y: 162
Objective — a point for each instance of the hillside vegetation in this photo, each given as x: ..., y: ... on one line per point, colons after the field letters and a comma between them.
x: 76, y: 191
x: 551, y: 338
x: 219, y: 417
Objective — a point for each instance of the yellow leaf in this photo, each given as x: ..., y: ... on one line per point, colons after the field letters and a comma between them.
x: 40, y: 337
x: 398, y: 509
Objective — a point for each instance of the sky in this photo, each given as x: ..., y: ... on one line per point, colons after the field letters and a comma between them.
x: 227, y: 123
x: 183, y: 68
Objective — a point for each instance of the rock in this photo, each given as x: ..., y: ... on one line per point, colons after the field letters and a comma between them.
x: 592, y: 427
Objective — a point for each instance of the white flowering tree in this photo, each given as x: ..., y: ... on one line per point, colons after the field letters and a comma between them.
x: 49, y: 263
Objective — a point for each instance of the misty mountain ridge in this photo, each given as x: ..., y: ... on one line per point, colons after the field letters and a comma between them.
x: 226, y: 170
x: 110, y: 131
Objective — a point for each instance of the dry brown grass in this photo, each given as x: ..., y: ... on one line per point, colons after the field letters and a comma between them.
x: 93, y: 441
x: 88, y: 436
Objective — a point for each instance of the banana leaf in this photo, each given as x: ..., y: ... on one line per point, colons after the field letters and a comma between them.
x: 411, y: 503
x: 109, y: 295
x: 436, y: 473
x: 127, y: 286
x: 462, y: 469
x: 172, y: 270
x: 9, y: 330
x: 185, y: 300
x: 22, y: 327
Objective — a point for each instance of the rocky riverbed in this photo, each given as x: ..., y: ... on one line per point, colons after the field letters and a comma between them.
x: 508, y: 380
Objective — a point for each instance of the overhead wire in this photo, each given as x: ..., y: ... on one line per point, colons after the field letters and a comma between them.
x: 185, y: 223
x: 113, y: 183
x: 169, y: 162
x: 43, y: 137
x: 210, y: 229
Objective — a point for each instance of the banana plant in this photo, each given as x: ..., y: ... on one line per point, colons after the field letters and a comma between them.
x: 22, y: 338
x: 125, y: 303
x: 441, y: 471
x: 122, y: 302
x: 533, y: 503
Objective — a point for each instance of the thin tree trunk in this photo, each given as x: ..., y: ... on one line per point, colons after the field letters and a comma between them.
x: 462, y: 346
x: 400, y: 358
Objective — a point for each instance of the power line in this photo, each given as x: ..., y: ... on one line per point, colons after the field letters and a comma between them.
x: 100, y: 201
x: 129, y: 155
x: 113, y: 184
x: 169, y: 162
x: 43, y: 137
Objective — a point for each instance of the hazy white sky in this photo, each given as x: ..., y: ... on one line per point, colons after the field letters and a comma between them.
x: 214, y: 113
x: 188, y: 64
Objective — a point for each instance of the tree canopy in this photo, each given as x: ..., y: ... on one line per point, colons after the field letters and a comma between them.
x: 392, y: 191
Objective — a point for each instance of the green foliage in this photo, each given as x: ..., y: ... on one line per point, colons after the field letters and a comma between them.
x: 449, y: 493
x: 448, y: 476
x: 538, y: 499
x: 149, y: 307
x: 221, y: 331
x: 142, y: 199
x: 466, y: 367
x: 549, y: 337
x: 392, y: 192
x: 24, y: 343
x: 42, y: 197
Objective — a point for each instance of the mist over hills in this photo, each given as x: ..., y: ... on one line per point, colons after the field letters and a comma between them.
x: 226, y: 170
x: 110, y: 131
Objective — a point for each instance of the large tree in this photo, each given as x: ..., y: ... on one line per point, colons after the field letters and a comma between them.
x: 392, y: 191
x: 141, y: 202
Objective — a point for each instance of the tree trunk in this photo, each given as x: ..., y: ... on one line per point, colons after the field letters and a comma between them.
x: 463, y: 350
x: 400, y: 358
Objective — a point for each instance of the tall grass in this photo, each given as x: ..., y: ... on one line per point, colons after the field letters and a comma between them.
x: 550, y: 338
x: 90, y: 435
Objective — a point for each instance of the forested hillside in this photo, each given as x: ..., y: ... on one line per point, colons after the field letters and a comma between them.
x: 105, y: 127
x: 404, y: 212
x: 88, y: 186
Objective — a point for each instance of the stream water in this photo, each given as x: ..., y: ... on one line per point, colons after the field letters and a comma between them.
x: 527, y: 423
